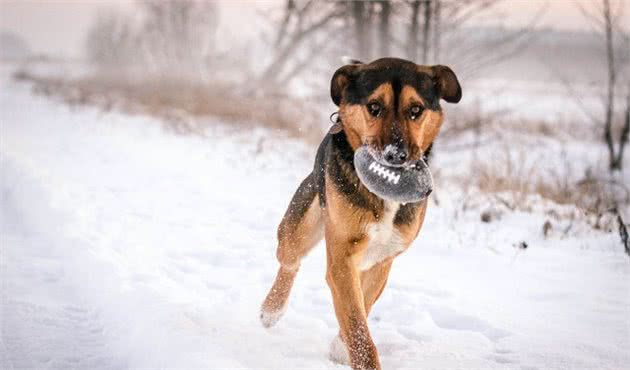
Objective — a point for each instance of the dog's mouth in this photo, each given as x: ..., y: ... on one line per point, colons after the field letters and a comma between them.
x: 409, y: 182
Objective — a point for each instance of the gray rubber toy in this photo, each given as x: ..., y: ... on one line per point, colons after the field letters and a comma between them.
x: 404, y: 184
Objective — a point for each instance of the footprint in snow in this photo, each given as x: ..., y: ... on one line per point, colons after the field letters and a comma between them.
x: 447, y: 318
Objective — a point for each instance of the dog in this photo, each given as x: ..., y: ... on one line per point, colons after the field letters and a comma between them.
x: 391, y: 106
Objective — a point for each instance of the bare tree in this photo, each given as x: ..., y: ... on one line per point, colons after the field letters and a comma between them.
x: 310, y: 33
x: 384, y: 27
x: 428, y: 10
x: 607, y: 24
x: 178, y: 36
x: 414, y: 29
x: 471, y: 54
x: 171, y: 38
x: 361, y: 12
x: 110, y: 43
x: 302, y: 23
x: 437, y: 33
x: 623, y: 138
x: 426, y: 33
x: 437, y: 13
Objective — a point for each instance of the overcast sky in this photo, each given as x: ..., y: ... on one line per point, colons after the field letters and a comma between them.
x: 58, y: 27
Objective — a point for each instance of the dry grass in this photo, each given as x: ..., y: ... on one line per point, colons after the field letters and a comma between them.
x: 515, y: 179
x: 178, y: 102
x: 511, y: 179
x: 596, y: 195
x: 466, y: 119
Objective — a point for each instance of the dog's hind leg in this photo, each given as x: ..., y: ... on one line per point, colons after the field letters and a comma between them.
x: 300, y: 230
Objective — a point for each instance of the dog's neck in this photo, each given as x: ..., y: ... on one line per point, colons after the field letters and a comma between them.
x: 341, y: 168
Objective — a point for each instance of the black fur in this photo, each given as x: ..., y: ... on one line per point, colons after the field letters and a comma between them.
x: 407, y: 213
x: 300, y: 203
x: 399, y: 73
x: 319, y: 169
x: 427, y: 154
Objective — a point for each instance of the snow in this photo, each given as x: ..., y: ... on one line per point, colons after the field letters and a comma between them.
x: 124, y: 245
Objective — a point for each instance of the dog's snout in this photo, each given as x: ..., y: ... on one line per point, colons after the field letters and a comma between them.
x: 395, y: 155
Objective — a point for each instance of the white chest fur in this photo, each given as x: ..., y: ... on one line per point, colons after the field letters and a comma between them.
x: 383, y: 238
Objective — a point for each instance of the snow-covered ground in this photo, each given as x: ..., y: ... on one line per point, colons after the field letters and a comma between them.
x: 126, y: 246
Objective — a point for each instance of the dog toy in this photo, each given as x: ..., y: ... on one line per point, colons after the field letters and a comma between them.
x: 404, y: 184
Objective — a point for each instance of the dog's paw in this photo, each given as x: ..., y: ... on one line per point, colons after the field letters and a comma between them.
x: 270, y: 318
x: 338, y: 352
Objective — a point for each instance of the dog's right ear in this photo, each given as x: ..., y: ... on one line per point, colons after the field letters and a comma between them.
x: 340, y: 81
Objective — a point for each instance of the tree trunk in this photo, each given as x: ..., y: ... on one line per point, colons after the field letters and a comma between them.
x: 610, y: 98
x: 427, y: 31
x: 437, y: 14
x: 623, y: 232
x: 360, y: 28
x: 289, y: 10
x: 386, y: 11
x: 623, y: 139
x: 412, y: 37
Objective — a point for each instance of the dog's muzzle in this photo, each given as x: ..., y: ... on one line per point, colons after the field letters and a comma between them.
x: 395, y: 155
x: 407, y: 182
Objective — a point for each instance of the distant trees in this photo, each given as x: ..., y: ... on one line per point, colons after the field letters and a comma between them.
x: 303, y: 33
x: 425, y: 31
x: 178, y: 38
x: 13, y: 46
x: 431, y: 31
x: 111, y: 41
x: 170, y: 37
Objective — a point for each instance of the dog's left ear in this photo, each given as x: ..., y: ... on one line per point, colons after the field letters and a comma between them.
x: 447, y: 83
x: 341, y: 79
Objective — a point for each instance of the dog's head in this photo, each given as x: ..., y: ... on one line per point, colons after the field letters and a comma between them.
x: 393, y: 106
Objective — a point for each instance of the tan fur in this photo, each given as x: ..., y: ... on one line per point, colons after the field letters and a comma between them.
x: 422, y: 131
x: 362, y: 128
x: 373, y: 282
x: 354, y: 292
x: 345, y: 242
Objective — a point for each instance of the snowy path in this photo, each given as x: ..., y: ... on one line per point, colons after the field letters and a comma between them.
x: 125, y: 246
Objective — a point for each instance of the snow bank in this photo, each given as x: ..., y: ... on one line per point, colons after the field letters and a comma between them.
x: 124, y: 246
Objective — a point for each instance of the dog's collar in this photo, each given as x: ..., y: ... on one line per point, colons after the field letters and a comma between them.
x: 334, y: 117
x: 337, y: 126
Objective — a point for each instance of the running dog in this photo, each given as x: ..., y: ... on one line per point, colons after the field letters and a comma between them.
x: 391, y: 106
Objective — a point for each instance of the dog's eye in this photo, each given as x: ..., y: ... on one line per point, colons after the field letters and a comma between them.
x: 375, y: 109
x: 415, y: 112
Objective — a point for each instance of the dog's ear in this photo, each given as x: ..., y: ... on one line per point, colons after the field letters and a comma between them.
x: 341, y: 79
x: 447, y: 83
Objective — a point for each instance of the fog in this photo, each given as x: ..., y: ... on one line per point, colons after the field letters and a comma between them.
x: 59, y: 27
x: 149, y: 150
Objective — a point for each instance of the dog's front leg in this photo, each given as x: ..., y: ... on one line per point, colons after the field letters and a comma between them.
x: 344, y: 281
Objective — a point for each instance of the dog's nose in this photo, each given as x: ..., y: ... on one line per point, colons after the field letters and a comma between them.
x: 395, y: 155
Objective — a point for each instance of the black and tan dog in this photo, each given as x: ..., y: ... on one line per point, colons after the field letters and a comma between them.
x: 393, y: 106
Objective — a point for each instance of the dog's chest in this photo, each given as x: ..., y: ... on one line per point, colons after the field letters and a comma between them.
x: 384, y: 240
